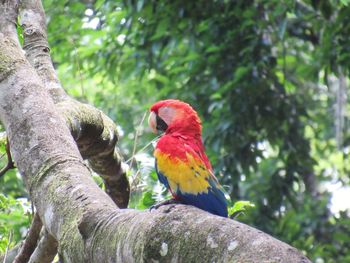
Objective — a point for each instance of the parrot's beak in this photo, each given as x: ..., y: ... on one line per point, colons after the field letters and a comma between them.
x: 152, y: 122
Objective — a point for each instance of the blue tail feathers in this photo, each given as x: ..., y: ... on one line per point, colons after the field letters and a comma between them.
x: 206, y: 201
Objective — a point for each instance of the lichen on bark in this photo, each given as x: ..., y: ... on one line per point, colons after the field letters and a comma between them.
x: 10, y: 58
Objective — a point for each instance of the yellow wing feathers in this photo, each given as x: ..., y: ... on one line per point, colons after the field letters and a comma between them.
x: 188, y: 176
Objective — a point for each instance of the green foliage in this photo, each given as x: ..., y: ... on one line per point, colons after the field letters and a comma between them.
x: 14, y: 215
x: 238, y: 208
x: 3, y: 140
x: 145, y: 188
x: 20, y: 33
x: 14, y: 221
x: 10, y: 183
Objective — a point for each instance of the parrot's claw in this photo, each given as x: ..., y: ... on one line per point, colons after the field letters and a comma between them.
x: 166, y: 202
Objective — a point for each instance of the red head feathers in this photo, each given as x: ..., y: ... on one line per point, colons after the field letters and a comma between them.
x: 174, y: 116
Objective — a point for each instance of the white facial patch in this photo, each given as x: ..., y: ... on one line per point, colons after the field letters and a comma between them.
x: 167, y: 114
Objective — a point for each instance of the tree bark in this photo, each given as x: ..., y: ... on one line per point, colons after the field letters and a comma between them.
x: 84, y: 220
x: 95, y: 134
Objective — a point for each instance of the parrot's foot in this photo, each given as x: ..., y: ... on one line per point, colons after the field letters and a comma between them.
x: 166, y: 202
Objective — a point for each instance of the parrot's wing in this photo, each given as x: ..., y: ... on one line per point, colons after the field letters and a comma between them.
x: 189, y: 177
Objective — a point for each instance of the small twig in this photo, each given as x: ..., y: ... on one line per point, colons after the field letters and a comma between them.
x: 8, y: 245
x: 32, y: 208
x: 136, y: 175
x: 2, y: 156
x: 77, y: 59
x: 10, y: 164
x: 137, y: 134
x: 135, y: 180
x: 31, y: 240
x: 131, y: 159
x: 143, y: 148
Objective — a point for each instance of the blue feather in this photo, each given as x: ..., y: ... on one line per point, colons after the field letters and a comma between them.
x: 206, y: 201
x: 161, y: 177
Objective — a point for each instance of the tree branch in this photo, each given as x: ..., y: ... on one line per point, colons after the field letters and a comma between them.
x: 33, y: 22
x: 46, y: 249
x: 96, y: 136
x: 8, y: 18
x: 10, y: 59
x: 95, y: 133
x: 12, y: 253
x: 31, y: 240
x: 10, y: 164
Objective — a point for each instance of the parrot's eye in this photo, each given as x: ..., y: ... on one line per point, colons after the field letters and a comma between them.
x: 161, y: 124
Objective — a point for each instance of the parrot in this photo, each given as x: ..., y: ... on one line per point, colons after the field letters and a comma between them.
x: 180, y: 160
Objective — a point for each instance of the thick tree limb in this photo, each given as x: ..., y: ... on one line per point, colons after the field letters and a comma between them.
x: 37, y: 49
x: 8, y: 18
x: 96, y: 136
x: 82, y: 218
x: 95, y: 133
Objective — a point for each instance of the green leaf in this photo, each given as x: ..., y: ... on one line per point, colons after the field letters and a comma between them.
x: 213, y: 49
x: 20, y: 33
x: 240, y: 73
x: 345, y: 2
x: 99, y: 3
x: 239, y: 207
x: 282, y: 28
x: 147, y: 199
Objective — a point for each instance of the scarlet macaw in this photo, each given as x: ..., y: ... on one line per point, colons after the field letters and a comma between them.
x: 181, y: 163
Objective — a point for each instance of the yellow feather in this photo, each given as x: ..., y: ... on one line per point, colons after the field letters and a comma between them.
x: 188, y: 176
